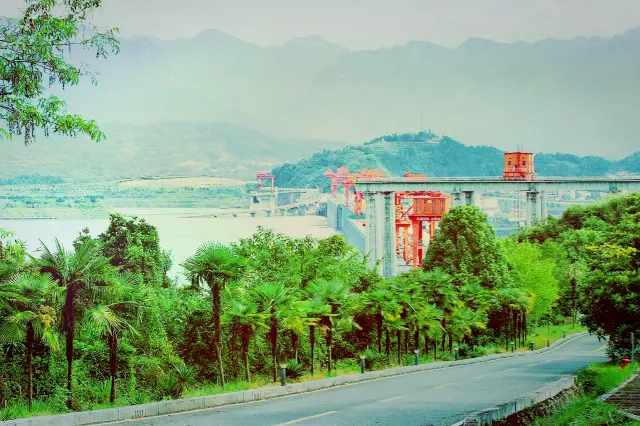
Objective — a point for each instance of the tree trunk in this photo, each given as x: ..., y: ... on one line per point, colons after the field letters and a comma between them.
x: 406, y: 341
x: 215, y: 296
x: 68, y: 323
x: 524, y: 327
x: 312, y: 343
x: 234, y: 358
x: 387, y: 344
x: 274, y: 344
x: 30, y: 339
x: 245, y: 354
x: 329, y: 342
x: 113, y: 359
x: 506, y: 325
x: 435, y: 349
x: 399, y: 338
x: 450, y: 343
x: 379, y: 329
x: 574, y: 304
x: 426, y: 343
x: 295, y: 344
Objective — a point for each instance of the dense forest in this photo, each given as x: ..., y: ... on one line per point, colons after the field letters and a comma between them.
x: 425, y: 152
x: 101, y: 324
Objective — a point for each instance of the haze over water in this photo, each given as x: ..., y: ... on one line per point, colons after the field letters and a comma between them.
x: 181, y: 230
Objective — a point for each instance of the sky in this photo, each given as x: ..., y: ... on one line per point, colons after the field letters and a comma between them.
x: 367, y: 24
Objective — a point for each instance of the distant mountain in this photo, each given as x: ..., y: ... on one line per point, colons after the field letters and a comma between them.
x: 580, y: 95
x: 428, y: 153
x: 171, y: 148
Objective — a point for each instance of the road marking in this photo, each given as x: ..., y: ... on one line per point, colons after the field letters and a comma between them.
x: 441, y: 386
x: 531, y: 365
x: 601, y: 347
x: 392, y: 399
x: 548, y: 361
x: 306, y: 418
x: 509, y: 369
x: 480, y: 377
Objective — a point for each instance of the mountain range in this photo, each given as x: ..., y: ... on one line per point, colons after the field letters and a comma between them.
x: 160, y: 149
x: 580, y: 95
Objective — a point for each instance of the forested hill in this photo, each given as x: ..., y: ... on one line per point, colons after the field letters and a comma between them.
x: 428, y: 153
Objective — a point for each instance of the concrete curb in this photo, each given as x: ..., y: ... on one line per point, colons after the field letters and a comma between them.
x: 189, y: 404
x: 503, y: 411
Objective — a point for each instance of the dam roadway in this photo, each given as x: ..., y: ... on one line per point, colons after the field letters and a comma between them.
x: 434, y: 397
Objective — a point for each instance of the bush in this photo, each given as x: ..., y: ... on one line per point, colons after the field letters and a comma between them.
x: 373, y: 359
x: 295, y: 370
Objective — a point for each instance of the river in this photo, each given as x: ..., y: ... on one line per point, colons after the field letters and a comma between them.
x: 180, y: 230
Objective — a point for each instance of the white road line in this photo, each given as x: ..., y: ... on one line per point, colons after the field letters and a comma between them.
x: 306, y: 418
x: 392, y: 399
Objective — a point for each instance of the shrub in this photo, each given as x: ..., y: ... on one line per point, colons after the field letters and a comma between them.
x: 295, y: 370
x: 373, y: 359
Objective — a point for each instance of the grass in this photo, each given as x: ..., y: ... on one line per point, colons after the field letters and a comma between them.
x: 540, y: 335
x: 594, y: 380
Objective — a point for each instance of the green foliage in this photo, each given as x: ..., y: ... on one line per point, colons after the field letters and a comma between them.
x: 32, y: 54
x: 599, y: 257
x: 598, y: 379
x: 594, y: 381
x: 466, y: 248
x: 270, y: 299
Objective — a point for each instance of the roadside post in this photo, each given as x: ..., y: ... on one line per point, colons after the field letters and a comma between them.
x: 457, y: 354
x: 533, y: 346
x: 417, y: 357
x: 564, y: 334
x: 362, y: 358
x: 283, y: 374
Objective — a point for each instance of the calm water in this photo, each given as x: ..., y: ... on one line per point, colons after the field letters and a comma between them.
x: 181, y: 230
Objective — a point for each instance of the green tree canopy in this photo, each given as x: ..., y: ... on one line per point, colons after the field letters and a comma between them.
x: 32, y: 56
x: 466, y: 248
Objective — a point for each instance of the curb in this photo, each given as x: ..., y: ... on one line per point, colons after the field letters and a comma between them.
x: 503, y: 411
x: 190, y: 404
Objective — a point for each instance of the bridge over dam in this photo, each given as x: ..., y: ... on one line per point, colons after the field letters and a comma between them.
x: 284, y: 201
x: 380, y: 239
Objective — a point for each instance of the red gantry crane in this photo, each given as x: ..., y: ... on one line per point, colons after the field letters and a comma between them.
x: 265, y: 175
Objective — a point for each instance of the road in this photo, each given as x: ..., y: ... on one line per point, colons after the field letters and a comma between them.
x: 436, y: 397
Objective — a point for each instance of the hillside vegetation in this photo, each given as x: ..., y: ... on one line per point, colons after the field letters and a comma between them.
x: 425, y: 152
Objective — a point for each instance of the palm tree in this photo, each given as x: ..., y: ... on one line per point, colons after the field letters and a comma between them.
x: 73, y: 271
x: 296, y: 315
x: 245, y: 321
x: 31, y: 317
x: 512, y: 300
x: 108, y: 318
x: 214, y: 265
x: 336, y: 294
x: 316, y: 310
x: 274, y: 297
x: 381, y: 302
x: 438, y: 287
x: 477, y: 299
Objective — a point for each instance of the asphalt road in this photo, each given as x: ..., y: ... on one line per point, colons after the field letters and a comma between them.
x: 436, y: 397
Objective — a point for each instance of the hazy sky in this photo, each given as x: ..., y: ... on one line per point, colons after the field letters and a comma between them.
x: 361, y: 24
